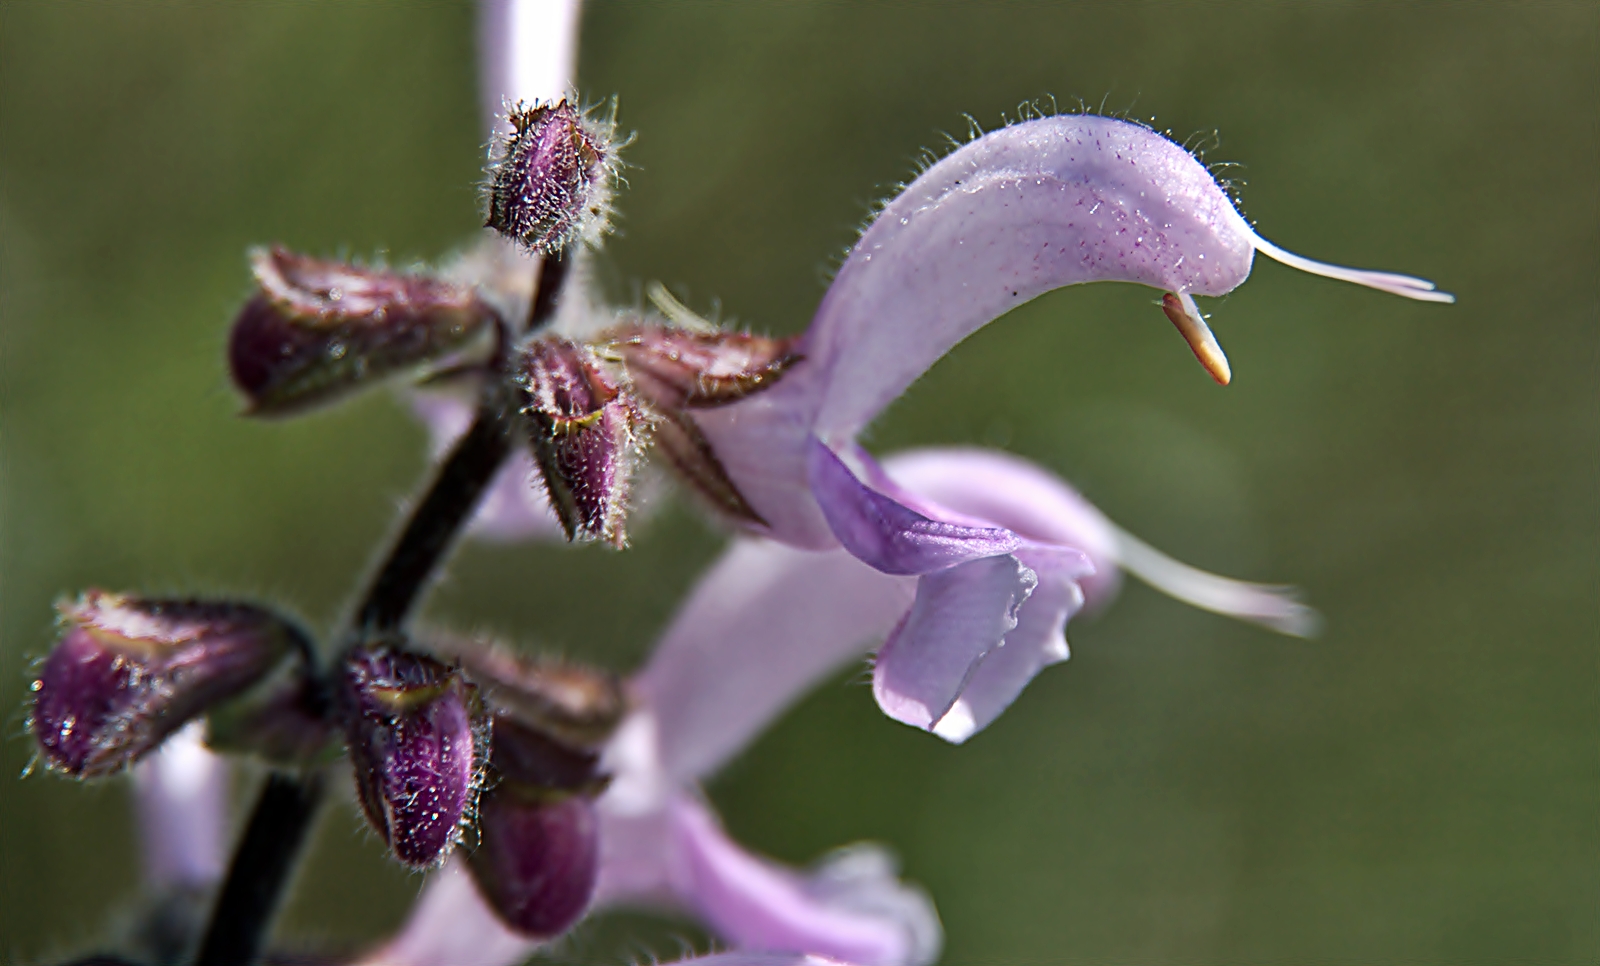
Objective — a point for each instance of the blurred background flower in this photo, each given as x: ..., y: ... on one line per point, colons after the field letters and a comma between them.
x: 1418, y: 784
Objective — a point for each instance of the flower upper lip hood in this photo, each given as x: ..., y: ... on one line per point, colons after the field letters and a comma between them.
x: 1003, y: 219
x: 1023, y: 210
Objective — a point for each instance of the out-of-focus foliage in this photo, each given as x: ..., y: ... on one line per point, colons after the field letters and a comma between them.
x: 1418, y: 785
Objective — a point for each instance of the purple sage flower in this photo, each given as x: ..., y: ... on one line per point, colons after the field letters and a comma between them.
x: 1003, y: 219
x: 961, y: 641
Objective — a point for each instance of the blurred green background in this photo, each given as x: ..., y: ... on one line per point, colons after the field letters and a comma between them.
x: 1421, y: 784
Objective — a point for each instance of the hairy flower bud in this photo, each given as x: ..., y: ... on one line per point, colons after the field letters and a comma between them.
x: 586, y: 431
x: 537, y: 858
x: 674, y: 370
x: 538, y: 850
x: 417, y: 738
x: 317, y: 328
x: 551, y: 179
x: 129, y: 671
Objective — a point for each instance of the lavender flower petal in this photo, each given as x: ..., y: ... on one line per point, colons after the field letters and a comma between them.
x: 181, y: 797
x: 1038, y: 641
x: 1030, y: 208
x: 451, y: 925
x: 1005, y: 219
x: 762, y: 626
x: 754, y: 904
x: 959, y: 617
x: 1039, y: 506
x: 1273, y: 606
x: 1021, y: 496
x: 762, y: 443
x: 886, y: 534
x: 527, y: 51
x: 757, y: 959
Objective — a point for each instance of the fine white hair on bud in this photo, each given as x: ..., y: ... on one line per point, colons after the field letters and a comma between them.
x: 551, y: 178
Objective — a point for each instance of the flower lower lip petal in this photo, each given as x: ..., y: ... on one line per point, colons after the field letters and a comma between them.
x: 888, y: 535
x: 960, y: 616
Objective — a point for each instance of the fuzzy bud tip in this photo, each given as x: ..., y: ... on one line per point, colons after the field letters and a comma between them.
x: 551, y: 179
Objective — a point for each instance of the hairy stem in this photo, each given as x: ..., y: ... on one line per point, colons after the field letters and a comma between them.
x: 553, y: 272
x: 261, y: 865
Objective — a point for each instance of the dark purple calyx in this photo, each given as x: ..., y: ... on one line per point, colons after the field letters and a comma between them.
x: 586, y: 432
x: 551, y: 179
x: 537, y: 858
x: 129, y: 671
x: 538, y: 849
x: 417, y: 738
x: 317, y: 328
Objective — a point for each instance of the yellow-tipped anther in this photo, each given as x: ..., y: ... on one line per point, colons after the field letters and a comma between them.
x: 1192, y: 326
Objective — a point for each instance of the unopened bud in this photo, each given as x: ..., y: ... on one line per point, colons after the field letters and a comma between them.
x: 551, y: 179
x: 586, y: 431
x: 538, y: 850
x: 537, y: 859
x: 129, y: 671
x: 317, y: 328
x: 417, y: 735
x: 675, y: 368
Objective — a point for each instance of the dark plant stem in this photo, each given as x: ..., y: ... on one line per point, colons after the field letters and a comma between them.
x: 552, y: 278
x: 271, y: 843
x: 461, y: 480
x: 261, y: 865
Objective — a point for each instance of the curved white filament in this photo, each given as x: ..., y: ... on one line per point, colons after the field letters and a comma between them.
x: 1270, y: 605
x: 1403, y: 285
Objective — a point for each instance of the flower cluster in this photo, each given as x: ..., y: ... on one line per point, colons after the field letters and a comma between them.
x: 535, y: 791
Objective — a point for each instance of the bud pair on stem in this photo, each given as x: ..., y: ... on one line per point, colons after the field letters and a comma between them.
x: 506, y: 747
x: 432, y: 752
